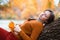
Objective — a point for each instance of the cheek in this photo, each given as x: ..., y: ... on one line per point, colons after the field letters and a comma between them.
x: 43, y: 18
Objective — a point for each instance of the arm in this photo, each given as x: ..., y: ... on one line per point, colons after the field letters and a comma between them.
x: 22, y: 33
x: 35, y: 33
x: 37, y: 30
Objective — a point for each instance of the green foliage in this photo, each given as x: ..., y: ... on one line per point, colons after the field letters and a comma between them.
x: 0, y: 0
x: 59, y: 1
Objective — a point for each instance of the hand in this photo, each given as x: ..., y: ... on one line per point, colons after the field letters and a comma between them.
x: 17, y: 28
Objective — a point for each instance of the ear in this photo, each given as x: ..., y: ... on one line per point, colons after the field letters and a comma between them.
x: 11, y: 26
x: 45, y: 22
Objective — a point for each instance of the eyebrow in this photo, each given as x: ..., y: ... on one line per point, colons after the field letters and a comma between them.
x: 46, y: 15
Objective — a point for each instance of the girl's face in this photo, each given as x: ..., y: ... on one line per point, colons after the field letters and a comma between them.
x: 44, y: 15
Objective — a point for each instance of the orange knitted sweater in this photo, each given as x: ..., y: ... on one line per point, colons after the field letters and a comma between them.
x: 31, y: 30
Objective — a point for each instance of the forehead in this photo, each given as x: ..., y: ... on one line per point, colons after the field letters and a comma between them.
x: 47, y: 12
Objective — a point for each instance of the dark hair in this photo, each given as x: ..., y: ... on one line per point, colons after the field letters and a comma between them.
x: 51, y: 18
x: 29, y: 19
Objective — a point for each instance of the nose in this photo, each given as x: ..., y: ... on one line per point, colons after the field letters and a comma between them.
x: 43, y: 16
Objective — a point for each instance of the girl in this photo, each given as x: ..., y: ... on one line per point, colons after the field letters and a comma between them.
x: 30, y: 30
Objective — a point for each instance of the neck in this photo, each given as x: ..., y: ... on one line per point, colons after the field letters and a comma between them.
x: 41, y: 21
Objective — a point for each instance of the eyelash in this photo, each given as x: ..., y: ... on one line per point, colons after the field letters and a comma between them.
x: 44, y: 14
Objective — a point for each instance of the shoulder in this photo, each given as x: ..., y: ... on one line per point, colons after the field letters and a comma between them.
x: 36, y: 23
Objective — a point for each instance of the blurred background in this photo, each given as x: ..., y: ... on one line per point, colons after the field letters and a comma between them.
x: 23, y: 9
